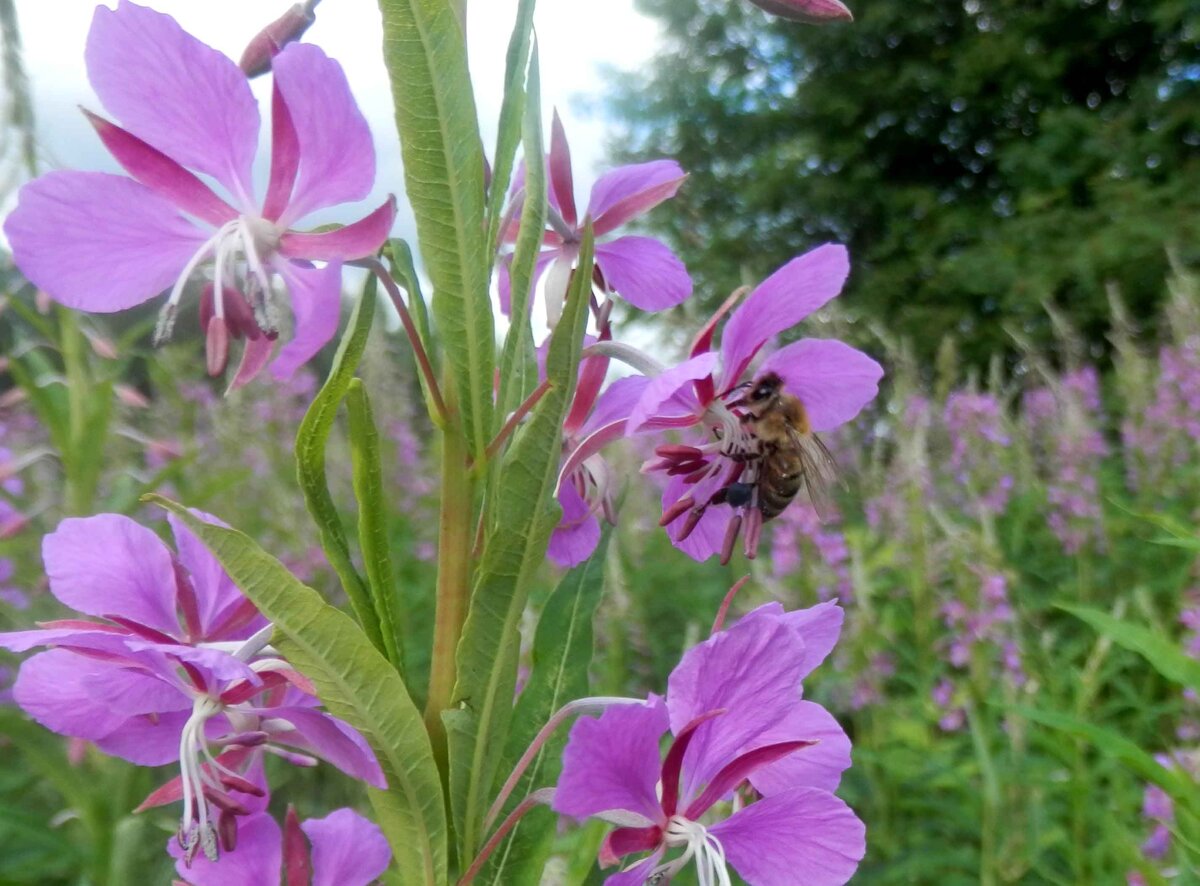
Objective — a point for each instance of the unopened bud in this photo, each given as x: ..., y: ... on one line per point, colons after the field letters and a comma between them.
x: 101, y: 346
x: 268, y: 42
x: 42, y: 301
x: 731, y: 534
x: 812, y: 12
x: 227, y: 831
x: 216, y: 346
x: 131, y: 396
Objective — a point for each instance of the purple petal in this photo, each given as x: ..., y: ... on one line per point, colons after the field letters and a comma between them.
x: 802, y: 836
x: 317, y: 305
x: 183, y: 97
x: 504, y: 279
x: 562, y: 184
x: 819, y: 626
x: 53, y: 687
x: 751, y: 671
x: 215, y: 666
x: 255, y: 355
x: 833, y: 380
x: 257, y: 860
x: 706, y: 537
x: 355, y: 240
x: 108, y: 564
x: 613, y: 762
x: 577, y: 533
x: 813, y: 12
x: 780, y: 302
x: 102, y: 639
x: 820, y: 766
x: 347, y: 849
x: 98, y: 242
x: 337, y: 155
x: 664, y: 386
x: 331, y: 740
x: 644, y: 272
x: 636, y: 875
x: 628, y: 191
x: 285, y: 157
x: 147, y: 740
x: 215, y: 590
x: 616, y: 403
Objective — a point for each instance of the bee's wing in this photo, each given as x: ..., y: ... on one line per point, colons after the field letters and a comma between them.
x: 820, y: 472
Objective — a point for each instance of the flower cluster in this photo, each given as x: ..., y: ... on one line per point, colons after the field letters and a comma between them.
x: 975, y: 424
x: 748, y: 776
x: 800, y: 525
x: 1159, y: 811
x: 1161, y: 439
x: 173, y: 663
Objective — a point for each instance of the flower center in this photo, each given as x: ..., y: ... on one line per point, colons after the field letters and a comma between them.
x: 195, y: 830
x: 698, y: 844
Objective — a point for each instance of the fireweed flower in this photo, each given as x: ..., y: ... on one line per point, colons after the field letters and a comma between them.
x: 179, y: 664
x: 735, y: 715
x: 977, y: 465
x: 100, y: 242
x: 813, y: 12
x: 341, y: 849
x: 641, y: 270
x: 833, y: 380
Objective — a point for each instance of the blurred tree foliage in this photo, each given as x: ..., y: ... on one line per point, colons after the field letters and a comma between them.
x: 978, y: 156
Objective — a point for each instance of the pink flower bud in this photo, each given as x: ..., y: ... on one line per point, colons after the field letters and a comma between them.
x: 813, y: 12
x: 131, y: 396
x: 267, y: 43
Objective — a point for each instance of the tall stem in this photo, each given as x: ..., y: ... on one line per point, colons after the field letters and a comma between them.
x: 454, y: 575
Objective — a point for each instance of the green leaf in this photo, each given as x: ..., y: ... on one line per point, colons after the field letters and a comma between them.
x: 518, y: 362
x: 367, y: 472
x: 443, y: 170
x: 524, y: 515
x: 1162, y: 654
x: 311, y: 440
x: 405, y: 272
x: 562, y: 655
x: 356, y: 683
x: 508, y: 134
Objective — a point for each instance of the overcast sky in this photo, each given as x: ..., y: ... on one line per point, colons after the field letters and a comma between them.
x: 575, y: 39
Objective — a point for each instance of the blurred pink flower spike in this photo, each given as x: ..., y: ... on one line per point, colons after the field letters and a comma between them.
x: 101, y: 242
x: 641, y: 270
x: 735, y: 714
x: 341, y: 849
x: 812, y: 12
x: 833, y: 380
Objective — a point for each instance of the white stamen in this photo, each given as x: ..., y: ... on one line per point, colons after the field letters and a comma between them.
x: 711, y: 866
x: 200, y: 255
x: 194, y: 825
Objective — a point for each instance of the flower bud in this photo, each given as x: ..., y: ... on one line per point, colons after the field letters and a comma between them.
x: 813, y: 12
x: 267, y: 43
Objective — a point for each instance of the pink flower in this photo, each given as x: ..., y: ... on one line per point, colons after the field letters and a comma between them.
x: 813, y: 12
x: 832, y: 380
x: 641, y: 269
x: 734, y: 711
x: 100, y: 242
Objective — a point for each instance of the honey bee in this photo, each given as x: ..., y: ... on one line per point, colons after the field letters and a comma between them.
x: 788, y: 454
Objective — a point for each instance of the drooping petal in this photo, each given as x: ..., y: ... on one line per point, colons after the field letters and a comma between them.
x: 833, y: 380
x: 256, y: 354
x: 183, y: 97
x: 98, y: 242
x: 751, y: 671
x: 257, y: 861
x: 53, y: 687
x: 347, y: 849
x: 819, y: 766
x: 108, y: 564
x: 819, y: 626
x: 636, y: 875
x: 331, y: 740
x: 215, y: 590
x: 613, y: 762
x: 644, y: 272
x: 577, y: 533
x: 317, y: 304
x: 615, y: 403
x: 626, y: 192
x: 337, y: 155
x: 781, y: 301
x: 664, y: 386
x: 147, y: 739
x: 355, y: 240
x: 801, y: 836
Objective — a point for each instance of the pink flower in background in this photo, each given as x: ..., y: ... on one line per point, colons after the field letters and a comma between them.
x: 640, y: 269
x: 101, y: 242
x: 813, y: 12
x: 735, y: 715
x: 833, y: 380
x: 179, y: 662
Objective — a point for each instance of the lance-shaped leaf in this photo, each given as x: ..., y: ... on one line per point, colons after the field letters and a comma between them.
x: 356, y: 683
x: 311, y: 440
x: 426, y: 58
x: 562, y: 654
x: 367, y: 472
x: 1164, y: 656
x: 524, y: 514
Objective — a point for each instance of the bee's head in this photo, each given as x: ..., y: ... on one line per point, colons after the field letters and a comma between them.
x: 764, y: 389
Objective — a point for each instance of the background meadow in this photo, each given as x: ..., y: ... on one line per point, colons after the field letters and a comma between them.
x: 1015, y: 544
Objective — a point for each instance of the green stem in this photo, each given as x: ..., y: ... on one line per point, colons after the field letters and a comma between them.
x: 79, y: 491
x: 453, y: 579
x: 990, y: 813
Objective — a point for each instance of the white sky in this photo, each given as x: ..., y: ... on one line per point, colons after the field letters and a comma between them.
x: 575, y: 38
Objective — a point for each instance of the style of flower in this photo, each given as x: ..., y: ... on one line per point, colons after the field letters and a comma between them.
x: 641, y: 270
x: 832, y: 380
x: 100, y: 242
x: 179, y: 664
x: 734, y: 711
x: 341, y: 849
